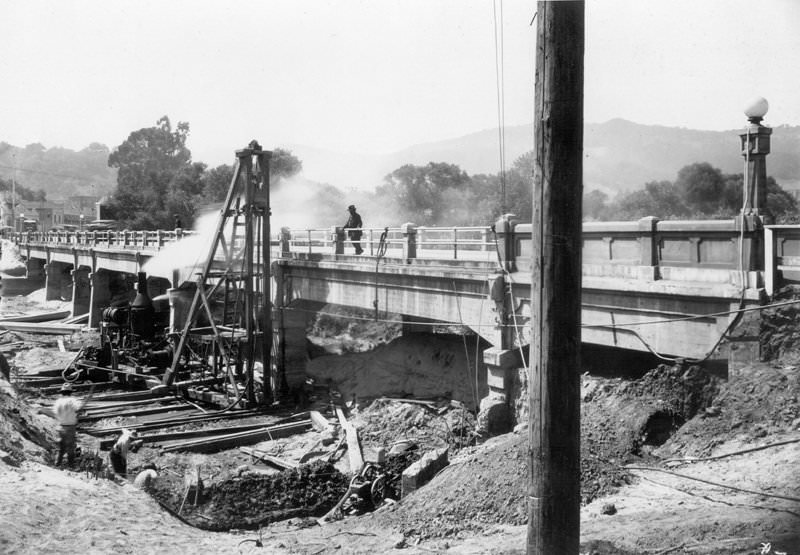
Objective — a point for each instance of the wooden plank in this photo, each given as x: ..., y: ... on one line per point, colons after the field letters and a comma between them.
x: 242, y: 438
x: 167, y: 436
x: 44, y: 327
x: 173, y: 421
x: 353, y: 448
x: 78, y: 387
x: 37, y: 317
x: 266, y: 457
x: 320, y: 423
x: 140, y: 412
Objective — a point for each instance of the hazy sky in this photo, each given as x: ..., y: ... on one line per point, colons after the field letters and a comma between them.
x: 373, y: 75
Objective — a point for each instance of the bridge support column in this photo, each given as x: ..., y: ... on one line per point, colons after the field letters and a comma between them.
x: 34, y: 268
x: 494, y: 416
x: 100, y: 296
x: 56, y: 282
x: 290, y: 345
x: 81, y: 291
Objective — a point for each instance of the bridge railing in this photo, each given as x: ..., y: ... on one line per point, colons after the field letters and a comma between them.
x: 407, y: 241
x: 736, y: 251
x: 127, y: 239
x: 702, y: 251
x: 782, y: 256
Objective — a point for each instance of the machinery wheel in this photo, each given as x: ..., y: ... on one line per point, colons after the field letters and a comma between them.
x: 378, y: 490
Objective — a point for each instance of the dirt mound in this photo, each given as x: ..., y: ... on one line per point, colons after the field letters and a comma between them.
x: 385, y: 422
x: 621, y: 422
x: 483, y: 485
x: 253, y: 500
x: 762, y: 399
x: 23, y: 433
x: 779, y: 335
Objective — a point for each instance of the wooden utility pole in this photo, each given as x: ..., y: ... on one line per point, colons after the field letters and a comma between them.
x: 554, y: 504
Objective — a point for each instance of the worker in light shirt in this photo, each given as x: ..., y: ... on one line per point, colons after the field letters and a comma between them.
x: 66, y: 410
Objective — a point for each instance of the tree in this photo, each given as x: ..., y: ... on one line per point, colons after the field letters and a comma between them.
x: 216, y: 182
x: 283, y: 164
x: 418, y: 192
x: 701, y: 186
x: 147, y: 162
x: 594, y: 205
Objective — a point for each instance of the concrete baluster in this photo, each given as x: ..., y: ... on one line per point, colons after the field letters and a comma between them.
x: 286, y: 241
x: 337, y: 238
x: 409, y: 231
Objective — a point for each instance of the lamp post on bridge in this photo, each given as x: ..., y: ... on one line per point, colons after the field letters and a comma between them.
x: 755, y: 144
x: 755, y: 147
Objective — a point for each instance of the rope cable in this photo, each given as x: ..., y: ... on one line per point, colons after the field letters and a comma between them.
x: 499, y: 86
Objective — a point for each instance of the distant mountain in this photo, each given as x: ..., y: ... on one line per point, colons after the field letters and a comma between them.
x: 619, y: 155
x: 60, y: 172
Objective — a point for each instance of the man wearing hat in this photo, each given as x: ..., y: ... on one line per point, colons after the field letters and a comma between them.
x: 353, y: 227
x: 66, y: 409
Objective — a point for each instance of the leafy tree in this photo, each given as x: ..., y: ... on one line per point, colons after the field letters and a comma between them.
x: 283, y: 164
x: 148, y: 161
x: 23, y: 192
x: 701, y: 186
x: 595, y: 205
x: 418, y: 192
x: 215, y: 183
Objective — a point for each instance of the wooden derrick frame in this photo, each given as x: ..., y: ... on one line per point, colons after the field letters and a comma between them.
x: 237, y: 262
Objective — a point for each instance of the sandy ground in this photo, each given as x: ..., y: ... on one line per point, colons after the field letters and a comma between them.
x: 47, y: 510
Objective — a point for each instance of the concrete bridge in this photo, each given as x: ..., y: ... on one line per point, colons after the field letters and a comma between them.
x: 670, y: 287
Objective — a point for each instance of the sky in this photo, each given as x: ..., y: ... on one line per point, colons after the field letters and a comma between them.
x: 373, y: 76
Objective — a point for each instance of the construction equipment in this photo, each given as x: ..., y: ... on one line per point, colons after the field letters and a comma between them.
x: 233, y: 288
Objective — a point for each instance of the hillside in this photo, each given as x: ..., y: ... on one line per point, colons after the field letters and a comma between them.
x: 619, y: 155
x: 60, y: 172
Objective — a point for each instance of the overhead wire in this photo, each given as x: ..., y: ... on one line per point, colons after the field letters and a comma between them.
x: 500, y: 90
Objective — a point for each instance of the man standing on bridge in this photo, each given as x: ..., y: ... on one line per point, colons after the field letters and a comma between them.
x: 353, y: 227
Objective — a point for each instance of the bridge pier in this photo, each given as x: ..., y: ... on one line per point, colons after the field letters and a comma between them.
x: 81, y: 291
x: 34, y: 268
x: 100, y: 296
x: 57, y: 283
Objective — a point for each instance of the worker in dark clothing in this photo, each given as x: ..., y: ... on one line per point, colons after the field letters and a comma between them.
x: 353, y: 227
x: 178, y: 223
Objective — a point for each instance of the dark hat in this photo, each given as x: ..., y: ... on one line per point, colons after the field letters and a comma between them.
x: 351, y: 207
x: 66, y: 388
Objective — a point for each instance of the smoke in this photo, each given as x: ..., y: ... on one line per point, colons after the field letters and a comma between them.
x: 11, y: 262
x: 298, y: 203
x: 187, y: 255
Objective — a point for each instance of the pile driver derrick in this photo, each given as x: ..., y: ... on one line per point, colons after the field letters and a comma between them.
x: 229, y: 320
